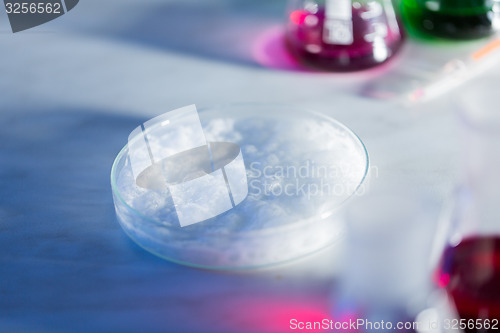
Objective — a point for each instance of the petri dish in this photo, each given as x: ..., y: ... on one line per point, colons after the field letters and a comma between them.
x: 300, y: 167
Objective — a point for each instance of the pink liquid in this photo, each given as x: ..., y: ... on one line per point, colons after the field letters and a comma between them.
x: 305, y: 40
x: 470, y: 272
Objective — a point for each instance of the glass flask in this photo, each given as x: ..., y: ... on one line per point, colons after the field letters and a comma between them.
x: 469, y: 267
x: 385, y: 275
x: 455, y: 19
x: 343, y: 35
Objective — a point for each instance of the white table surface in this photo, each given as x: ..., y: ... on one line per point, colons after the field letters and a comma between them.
x: 71, y: 91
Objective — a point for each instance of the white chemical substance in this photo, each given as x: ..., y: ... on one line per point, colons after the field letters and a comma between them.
x: 299, y: 170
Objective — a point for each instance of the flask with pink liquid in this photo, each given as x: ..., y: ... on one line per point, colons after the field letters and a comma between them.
x: 343, y: 35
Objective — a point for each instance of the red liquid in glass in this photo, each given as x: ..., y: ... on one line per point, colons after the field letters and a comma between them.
x: 375, y: 40
x: 470, y: 272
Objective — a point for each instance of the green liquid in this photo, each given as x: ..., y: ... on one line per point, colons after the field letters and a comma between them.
x: 456, y: 19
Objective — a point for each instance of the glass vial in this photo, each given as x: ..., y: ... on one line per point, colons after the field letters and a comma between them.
x: 386, y: 275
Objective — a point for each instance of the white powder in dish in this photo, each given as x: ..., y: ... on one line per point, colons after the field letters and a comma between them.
x: 297, y: 168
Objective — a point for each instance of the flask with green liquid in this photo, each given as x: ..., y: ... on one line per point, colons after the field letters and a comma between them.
x: 456, y: 19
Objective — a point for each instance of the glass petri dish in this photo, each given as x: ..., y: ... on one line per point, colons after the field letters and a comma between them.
x: 301, y: 167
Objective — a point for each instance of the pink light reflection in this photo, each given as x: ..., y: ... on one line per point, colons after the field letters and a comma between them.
x: 444, y: 279
x: 273, y: 314
x: 269, y: 50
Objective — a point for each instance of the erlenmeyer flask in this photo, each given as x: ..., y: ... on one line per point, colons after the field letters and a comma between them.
x: 343, y: 35
x: 457, y: 19
x: 469, y: 269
